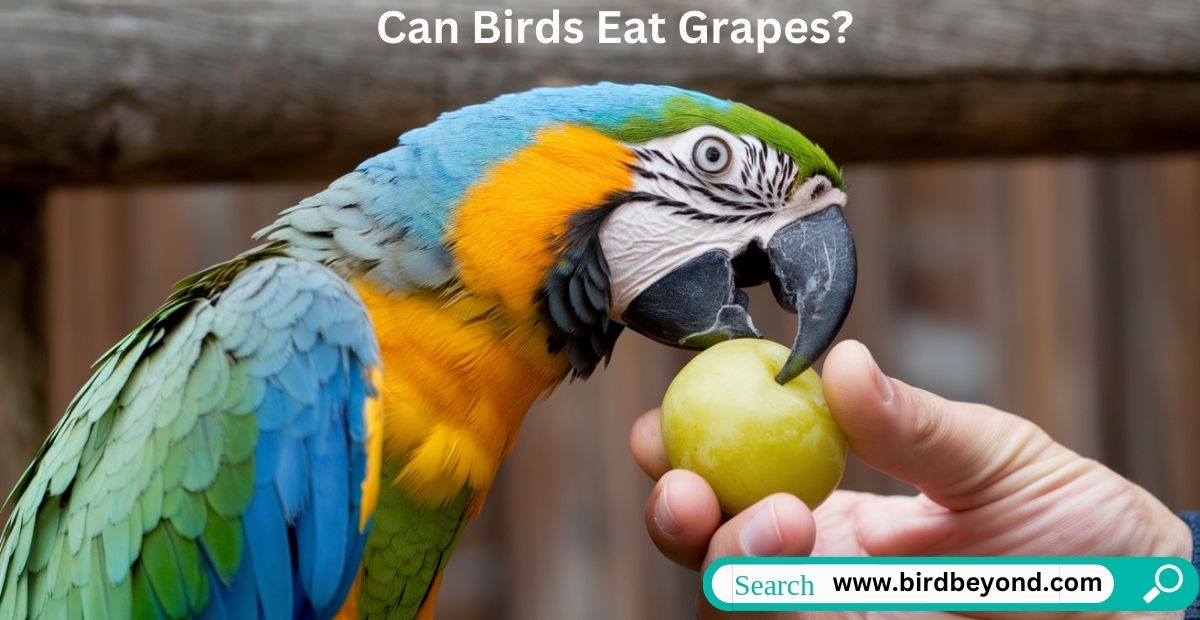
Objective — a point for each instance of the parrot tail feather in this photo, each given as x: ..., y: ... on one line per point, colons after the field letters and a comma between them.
x: 349, y: 610
x: 426, y: 610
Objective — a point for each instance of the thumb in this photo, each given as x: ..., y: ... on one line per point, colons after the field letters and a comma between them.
x: 961, y: 455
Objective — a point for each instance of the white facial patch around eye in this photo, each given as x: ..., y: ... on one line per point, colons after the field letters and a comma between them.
x: 680, y: 149
x: 678, y: 212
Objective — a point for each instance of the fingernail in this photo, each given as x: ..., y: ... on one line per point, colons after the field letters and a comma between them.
x: 761, y: 535
x: 663, y: 519
x: 882, y: 383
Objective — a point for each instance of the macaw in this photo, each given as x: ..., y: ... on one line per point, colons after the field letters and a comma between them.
x: 305, y: 430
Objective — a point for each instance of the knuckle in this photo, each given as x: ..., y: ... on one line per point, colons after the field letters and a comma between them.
x: 1026, y: 432
x: 926, y: 427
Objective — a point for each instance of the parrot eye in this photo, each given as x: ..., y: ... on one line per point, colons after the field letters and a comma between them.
x: 712, y: 155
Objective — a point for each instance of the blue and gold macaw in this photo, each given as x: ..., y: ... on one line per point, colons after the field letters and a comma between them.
x: 304, y: 431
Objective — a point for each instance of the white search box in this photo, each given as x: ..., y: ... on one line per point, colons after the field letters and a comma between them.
x: 910, y: 584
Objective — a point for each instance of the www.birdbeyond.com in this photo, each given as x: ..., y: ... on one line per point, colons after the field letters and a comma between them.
x: 612, y: 27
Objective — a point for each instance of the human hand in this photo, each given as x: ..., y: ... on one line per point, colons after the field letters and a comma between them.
x: 991, y: 484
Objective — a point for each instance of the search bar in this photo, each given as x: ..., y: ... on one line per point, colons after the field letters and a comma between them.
x: 952, y: 584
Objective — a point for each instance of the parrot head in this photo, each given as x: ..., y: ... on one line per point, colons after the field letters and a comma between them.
x: 718, y: 197
x: 588, y: 209
x: 732, y: 199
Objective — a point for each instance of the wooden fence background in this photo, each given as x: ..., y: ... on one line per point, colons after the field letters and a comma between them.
x: 1067, y: 290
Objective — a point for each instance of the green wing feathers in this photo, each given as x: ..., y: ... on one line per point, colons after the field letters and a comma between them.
x: 202, y: 437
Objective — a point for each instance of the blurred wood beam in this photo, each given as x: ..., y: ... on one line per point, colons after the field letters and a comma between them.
x: 23, y: 353
x: 1177, y: 182
x: 186, y: 90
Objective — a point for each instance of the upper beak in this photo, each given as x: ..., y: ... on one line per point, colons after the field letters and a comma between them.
x: 812, y: 269
x: 815, y: 271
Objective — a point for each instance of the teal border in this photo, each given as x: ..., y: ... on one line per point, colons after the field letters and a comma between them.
x: 1132, y: 577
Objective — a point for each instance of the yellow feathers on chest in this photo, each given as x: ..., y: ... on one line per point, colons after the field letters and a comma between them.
x: 454, y: 390
x: 461, y: 370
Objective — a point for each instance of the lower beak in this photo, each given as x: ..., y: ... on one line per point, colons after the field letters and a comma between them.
x: 810, y: 265
x: 694, y: 306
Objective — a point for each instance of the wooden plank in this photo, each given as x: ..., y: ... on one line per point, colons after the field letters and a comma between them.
x: 112, y: 257
x: 1152, y: 301
x: 873, y: 215
x: 1177, y: 180
x: 1056, y: 341
x: 23, y: 354
x: 185, y: 90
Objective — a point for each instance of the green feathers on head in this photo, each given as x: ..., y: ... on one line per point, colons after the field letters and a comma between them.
x: 681, y: 113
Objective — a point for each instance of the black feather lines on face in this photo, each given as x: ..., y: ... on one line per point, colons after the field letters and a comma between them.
x: 575, y: 300
x: 758, y: 194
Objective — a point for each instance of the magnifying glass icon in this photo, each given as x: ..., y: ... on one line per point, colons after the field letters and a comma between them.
x: 1159, y: 588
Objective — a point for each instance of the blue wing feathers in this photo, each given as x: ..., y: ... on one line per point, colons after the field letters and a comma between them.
x: 242, y: 402
x: 239, y: 596
x: 291, y: 477
x: 356, y: 391
x: 215, y: 610
x: 273, y: 413
x: 325, y: 550
x: 299, y: 381
x: 266, y: 457
x: 270, y: 358
x: 306, y: 421
x: 310, y: 457
x: 270, y: 553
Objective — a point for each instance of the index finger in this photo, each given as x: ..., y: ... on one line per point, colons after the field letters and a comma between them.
x: 646, y: 443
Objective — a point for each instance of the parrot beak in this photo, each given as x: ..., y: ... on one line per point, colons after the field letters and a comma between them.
x: 814, y: 271
x: 810, y: 265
